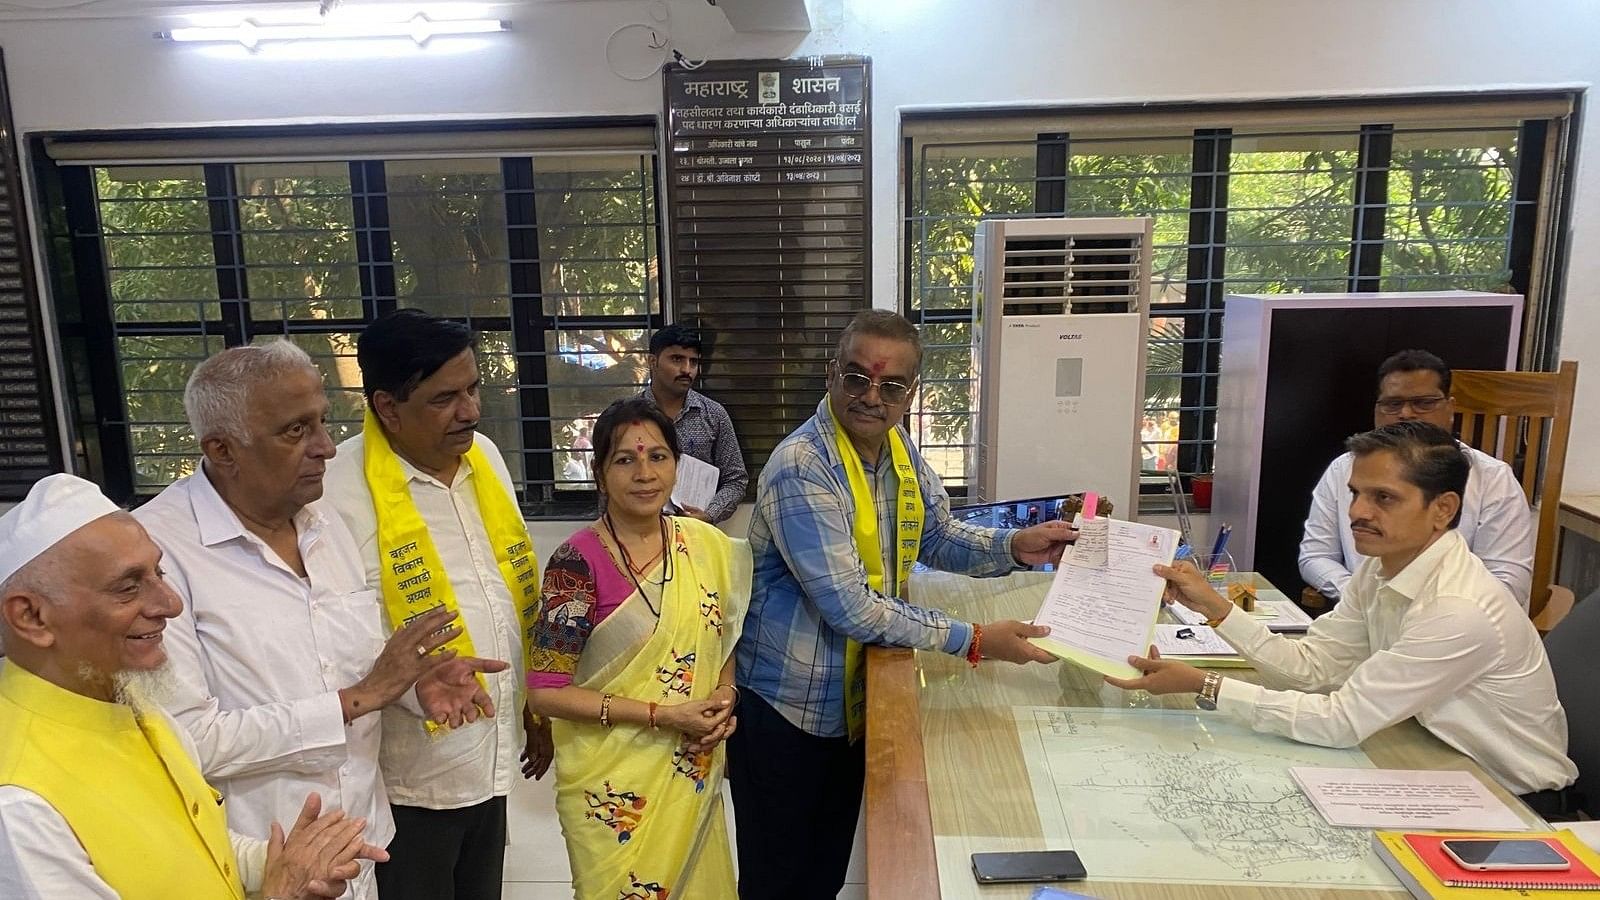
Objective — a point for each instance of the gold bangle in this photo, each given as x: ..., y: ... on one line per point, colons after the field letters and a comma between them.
x: 737, y: 696
x: 605, y: 710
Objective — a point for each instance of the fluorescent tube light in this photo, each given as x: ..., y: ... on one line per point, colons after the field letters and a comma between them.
x: 252, y: 34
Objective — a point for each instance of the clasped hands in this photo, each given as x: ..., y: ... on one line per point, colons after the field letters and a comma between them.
x: 318, y: 856
x: 1185, y: 585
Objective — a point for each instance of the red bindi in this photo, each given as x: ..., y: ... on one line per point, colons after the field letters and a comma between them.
x: 877, y: 367
x: 639, y: 448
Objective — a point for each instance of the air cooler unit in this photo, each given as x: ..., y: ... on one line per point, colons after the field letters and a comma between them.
x: 1063, y: 311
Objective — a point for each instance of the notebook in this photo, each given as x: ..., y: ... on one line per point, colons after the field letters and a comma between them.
x: 1422, y: 866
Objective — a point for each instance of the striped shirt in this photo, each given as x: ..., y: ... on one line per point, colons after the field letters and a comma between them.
x: 705, y: 432
x: 810, y: 593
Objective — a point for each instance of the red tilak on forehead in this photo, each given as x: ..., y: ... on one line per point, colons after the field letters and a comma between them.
x: 877, y: 367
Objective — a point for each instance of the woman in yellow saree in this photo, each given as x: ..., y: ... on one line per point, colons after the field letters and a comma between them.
x: 632, y: 662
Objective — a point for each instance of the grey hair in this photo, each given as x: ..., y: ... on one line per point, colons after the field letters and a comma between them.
x: 884, y: 323
x: 218, y: 395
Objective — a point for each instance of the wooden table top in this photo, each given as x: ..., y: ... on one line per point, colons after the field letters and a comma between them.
x: 946, y: 774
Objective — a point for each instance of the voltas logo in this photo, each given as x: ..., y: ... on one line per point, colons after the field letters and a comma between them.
x: 1070, y: 337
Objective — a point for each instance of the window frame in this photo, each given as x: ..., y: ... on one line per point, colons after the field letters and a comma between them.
x: 87, y: 319
x: 1538, y: 212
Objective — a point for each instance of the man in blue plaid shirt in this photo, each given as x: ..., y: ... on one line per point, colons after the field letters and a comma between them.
x: 796, y: 775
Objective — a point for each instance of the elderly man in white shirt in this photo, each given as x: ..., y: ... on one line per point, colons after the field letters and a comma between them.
x: 1423, y: 629
x: 83, y: 752
x: 419, y: 457
x: 1496, y: 521
x: 279, y: 655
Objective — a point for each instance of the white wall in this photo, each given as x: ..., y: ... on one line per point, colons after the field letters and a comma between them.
x: 109, y: 73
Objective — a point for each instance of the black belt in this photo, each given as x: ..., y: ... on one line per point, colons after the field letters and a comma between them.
x: 1559, y: 805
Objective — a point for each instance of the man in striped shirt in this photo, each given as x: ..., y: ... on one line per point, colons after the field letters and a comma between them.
x: 796, y: 774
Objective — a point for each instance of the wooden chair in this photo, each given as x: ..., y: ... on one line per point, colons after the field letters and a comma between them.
x: 1523, y: 419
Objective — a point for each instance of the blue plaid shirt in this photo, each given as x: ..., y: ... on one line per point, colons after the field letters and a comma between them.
x: 810, y: 592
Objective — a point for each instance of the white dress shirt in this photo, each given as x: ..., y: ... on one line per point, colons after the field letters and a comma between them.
x: 41, y: 859
x: 1441, y: 641
x: 260, y: 655
x: 474, y: 763
x: 1495, y: 521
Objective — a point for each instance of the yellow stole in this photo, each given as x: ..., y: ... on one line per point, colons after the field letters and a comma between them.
x: 150, y: 825
x: 642, y: 817
x: 412, y: 576
x: 908, y: 516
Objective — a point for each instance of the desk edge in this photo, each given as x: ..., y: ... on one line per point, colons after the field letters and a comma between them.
x: 901, y: 860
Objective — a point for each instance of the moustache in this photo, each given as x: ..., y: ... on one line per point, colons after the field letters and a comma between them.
x: 465, y: 429
x: 875, y: 412
x: 1363, y: 523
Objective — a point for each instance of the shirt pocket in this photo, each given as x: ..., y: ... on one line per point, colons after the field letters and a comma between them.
x: 364, y: 627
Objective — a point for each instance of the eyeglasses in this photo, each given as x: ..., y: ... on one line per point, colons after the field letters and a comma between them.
x: 1419, y: 404
x: 856, y: 385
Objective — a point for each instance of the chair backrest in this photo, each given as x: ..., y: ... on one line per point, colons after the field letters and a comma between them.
x: 1523, y: 419
x: 1577, y: 669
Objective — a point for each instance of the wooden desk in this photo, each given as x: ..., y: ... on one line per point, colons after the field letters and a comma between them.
x: 944, y: 760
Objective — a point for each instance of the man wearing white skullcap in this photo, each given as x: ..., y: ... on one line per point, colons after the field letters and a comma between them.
x: 279, y: 657
x: 99, y: 793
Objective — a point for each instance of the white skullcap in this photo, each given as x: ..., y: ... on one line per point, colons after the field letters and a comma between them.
x: 55, y: 507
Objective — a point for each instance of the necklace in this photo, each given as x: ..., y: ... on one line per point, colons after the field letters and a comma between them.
x: 666, y: 568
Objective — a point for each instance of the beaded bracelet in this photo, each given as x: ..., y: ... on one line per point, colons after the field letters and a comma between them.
x: 605, y: 710
x: 975, y: 648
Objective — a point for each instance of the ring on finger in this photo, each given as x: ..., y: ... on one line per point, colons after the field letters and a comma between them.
x: 422, y: 650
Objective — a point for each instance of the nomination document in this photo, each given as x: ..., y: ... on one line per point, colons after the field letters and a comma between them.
x: 1101, y: 615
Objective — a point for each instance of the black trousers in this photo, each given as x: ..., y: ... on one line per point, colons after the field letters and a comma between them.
x: 796, y: 797
x: 446, y: 854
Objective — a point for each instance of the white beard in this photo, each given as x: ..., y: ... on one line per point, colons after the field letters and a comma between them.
x: 144, y: 689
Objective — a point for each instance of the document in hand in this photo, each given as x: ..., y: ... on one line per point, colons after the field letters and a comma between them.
x: 1099, y: 616
x: 697, y: 482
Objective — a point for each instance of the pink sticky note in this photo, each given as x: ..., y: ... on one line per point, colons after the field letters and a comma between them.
x: 1090, y: 501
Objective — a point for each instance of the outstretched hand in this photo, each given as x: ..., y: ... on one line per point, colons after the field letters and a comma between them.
x: 451, y: 694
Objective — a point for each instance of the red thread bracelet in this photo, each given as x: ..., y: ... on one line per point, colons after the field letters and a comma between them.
x: 975, y: 648
x: 652, y: 715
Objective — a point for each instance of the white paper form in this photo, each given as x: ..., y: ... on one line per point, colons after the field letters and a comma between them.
x: 697, y: 482
x: 1191, y: 640
x: 1405, y: 799
x: 1099, y: 616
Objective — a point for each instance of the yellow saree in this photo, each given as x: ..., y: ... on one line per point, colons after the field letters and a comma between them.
x: 642, y: 818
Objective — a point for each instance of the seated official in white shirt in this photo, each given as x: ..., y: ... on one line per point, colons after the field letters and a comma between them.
x: 1496, y: 521
x: 279, y: 656
x: 430, y: 503
x: 100, y: 797
x: 1423, y: 629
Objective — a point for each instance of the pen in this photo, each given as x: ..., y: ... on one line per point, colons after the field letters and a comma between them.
x: 1222, y: 543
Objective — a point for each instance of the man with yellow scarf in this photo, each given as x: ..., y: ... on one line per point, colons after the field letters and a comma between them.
x: 100, y: 796
x: 431, y: 505
x: 844, y: 507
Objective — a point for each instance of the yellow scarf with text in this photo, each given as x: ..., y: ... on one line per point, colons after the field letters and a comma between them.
x: 908, y: 516
x: 412, y: 575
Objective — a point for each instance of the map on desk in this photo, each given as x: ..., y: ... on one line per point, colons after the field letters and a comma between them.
x: 1172, y: 796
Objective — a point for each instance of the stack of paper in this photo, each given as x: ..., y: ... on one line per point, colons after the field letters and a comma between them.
x: 1404, y: 799
x: 1197, y: 645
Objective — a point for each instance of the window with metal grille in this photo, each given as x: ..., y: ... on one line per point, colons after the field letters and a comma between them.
x: 1297, y: 199
x: 550, y: 258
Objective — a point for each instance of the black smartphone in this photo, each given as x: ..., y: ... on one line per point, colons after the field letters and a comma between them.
x: 1027, y: 866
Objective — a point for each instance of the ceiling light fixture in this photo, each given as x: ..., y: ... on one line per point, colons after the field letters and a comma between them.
x: 253, y: 34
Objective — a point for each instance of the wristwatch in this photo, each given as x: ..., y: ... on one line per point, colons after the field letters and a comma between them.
x: 1207, y: 698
